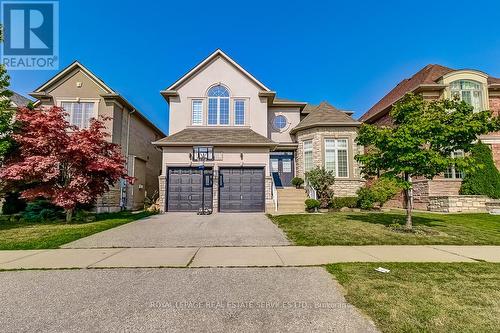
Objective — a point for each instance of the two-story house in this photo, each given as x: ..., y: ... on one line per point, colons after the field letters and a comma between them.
x: 84, y: 96
x: 231, y: 136
x: 433, y: 82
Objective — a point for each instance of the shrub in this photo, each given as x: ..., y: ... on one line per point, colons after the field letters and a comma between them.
x: 340, y: 202
x: 322, y: 180
x: 13, y: 204
x: 366, y: 198
x: 484, y: 180
x: 41, y: 211
x: 312, y: 204
x: 384, y: 189
x: 297, y: 182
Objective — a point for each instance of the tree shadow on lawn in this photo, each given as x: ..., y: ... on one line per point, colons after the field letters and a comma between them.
x: 387, y: 219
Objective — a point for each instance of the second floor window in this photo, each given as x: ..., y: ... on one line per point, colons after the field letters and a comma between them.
x: 197, y: 112
x: 469, y: 92
x: 239, y: 112
x: 308, y: 155
x: 218, y: 105
x: 79, y: 113
x: 336, y: 157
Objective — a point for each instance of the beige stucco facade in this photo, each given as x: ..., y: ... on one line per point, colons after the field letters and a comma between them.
x: 261, y: 108
x: 125, y: 126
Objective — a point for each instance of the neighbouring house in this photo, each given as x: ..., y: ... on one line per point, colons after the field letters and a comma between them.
x: 84, y: 96
x: 232, y: 136
x: 433, y: 82
x: 17, y: 100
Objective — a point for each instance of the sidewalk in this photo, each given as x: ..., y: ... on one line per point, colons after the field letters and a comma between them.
x: 241, y: 256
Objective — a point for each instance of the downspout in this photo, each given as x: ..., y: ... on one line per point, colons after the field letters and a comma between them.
x: 124, y: 184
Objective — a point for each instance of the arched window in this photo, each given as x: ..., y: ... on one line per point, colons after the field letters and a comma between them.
x: 218, y: 105
x: 469, y: 92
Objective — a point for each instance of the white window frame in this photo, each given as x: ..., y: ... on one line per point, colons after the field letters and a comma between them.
x: 460, y: 91
x: 218, y: 99
x: 192, y: 112
x: 244, y: 111
x: 95, y: 110
x: 335, y: 151
x: 304, y: 150
x: 452, y: 171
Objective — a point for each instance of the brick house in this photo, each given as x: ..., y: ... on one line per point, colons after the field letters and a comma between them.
x: 233, y: 137
x: 84, y: 96
x: 435, y: 82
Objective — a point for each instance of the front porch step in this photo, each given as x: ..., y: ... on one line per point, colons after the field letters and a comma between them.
x: 291, y: 200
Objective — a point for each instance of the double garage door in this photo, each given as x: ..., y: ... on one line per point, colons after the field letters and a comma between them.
x: 240, y: 189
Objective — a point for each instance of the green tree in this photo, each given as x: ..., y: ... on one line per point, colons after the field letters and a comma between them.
x: 485, y: 180
x: 421, y: 139
x: 322, y: 181
x: 6, y: 113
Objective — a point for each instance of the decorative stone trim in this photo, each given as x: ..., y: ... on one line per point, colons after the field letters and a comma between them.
x: 462, y: 203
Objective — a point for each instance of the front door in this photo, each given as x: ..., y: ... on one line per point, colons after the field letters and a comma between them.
x: 282, y: 169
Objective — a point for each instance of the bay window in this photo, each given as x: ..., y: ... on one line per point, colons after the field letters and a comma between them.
x: 336, y: 157
x: 308, y: 155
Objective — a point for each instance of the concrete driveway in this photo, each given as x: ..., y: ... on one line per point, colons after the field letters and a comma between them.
x: 177, y: 300
x: 189, y: 229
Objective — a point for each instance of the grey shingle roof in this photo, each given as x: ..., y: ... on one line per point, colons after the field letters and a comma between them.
x: 325, y: 114
x: 216, y: 136
x: 19, y: 100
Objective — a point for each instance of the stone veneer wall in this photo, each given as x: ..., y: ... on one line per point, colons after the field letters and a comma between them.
x: 461, y: 203
x: 162, y: 180
x: 342, y: 187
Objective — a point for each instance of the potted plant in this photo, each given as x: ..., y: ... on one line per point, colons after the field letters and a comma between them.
x: 297, y: 182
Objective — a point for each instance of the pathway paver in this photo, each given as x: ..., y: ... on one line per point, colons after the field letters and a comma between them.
x: 11, y: 255
x: 487, y: 253
x: 149, y: 257
x: 61, y: 258
x: 410, y: 253
x: 236, y: 256
x: 321, y: 255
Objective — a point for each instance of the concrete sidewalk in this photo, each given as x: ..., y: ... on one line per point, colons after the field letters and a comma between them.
x: 241, y: 256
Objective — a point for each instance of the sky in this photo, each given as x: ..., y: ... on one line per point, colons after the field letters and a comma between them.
x: 350, y: 53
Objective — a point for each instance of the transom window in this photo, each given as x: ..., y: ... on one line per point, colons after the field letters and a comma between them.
x: 239, y: 112
x: 280, y: 122
x: 203, y: 154
x: 218, y: 105
x: 452, y: 172
x: 197, y: 112
x: 336, y: 157
x: 79, y: 113
x: 469, y: 92
x: 308, y: 155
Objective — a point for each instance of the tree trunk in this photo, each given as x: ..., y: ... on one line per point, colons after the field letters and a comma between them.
x: 409, y: 203
x: 69, y: 215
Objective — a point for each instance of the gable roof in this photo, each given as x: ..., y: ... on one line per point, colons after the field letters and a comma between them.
x: 427, y: 76
x: 109, y: 92
x: 215, y: 136
x: 207, y: 60
x: 17, y: 100
x: 325, y: 114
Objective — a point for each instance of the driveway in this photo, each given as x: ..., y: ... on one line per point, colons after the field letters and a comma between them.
x: 189, y: 229
x: 177, y: 300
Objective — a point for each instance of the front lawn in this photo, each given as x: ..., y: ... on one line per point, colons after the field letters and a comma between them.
x: 373, y: 228
x: 49, y: 235
x: 425, y: 297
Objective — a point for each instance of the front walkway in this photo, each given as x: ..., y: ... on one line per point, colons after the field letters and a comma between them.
x: 189, y: 229
x: 242, y: 256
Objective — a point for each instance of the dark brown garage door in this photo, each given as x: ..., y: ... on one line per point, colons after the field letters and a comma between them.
x: 184, y: 190
x: 241, y: 190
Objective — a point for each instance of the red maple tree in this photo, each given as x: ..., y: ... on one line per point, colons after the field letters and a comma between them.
x: 60, y: 162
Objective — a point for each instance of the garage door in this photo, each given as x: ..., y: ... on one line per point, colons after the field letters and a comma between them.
x: 184, y: 189
x: 241, y: 190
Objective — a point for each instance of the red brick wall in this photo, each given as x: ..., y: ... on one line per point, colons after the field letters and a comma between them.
x: 494, y: 105
x: 495, y: 150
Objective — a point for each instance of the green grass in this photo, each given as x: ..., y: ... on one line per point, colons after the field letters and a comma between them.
x: 49, y: 235
x: 371, y: 228
x: 425, y: 297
